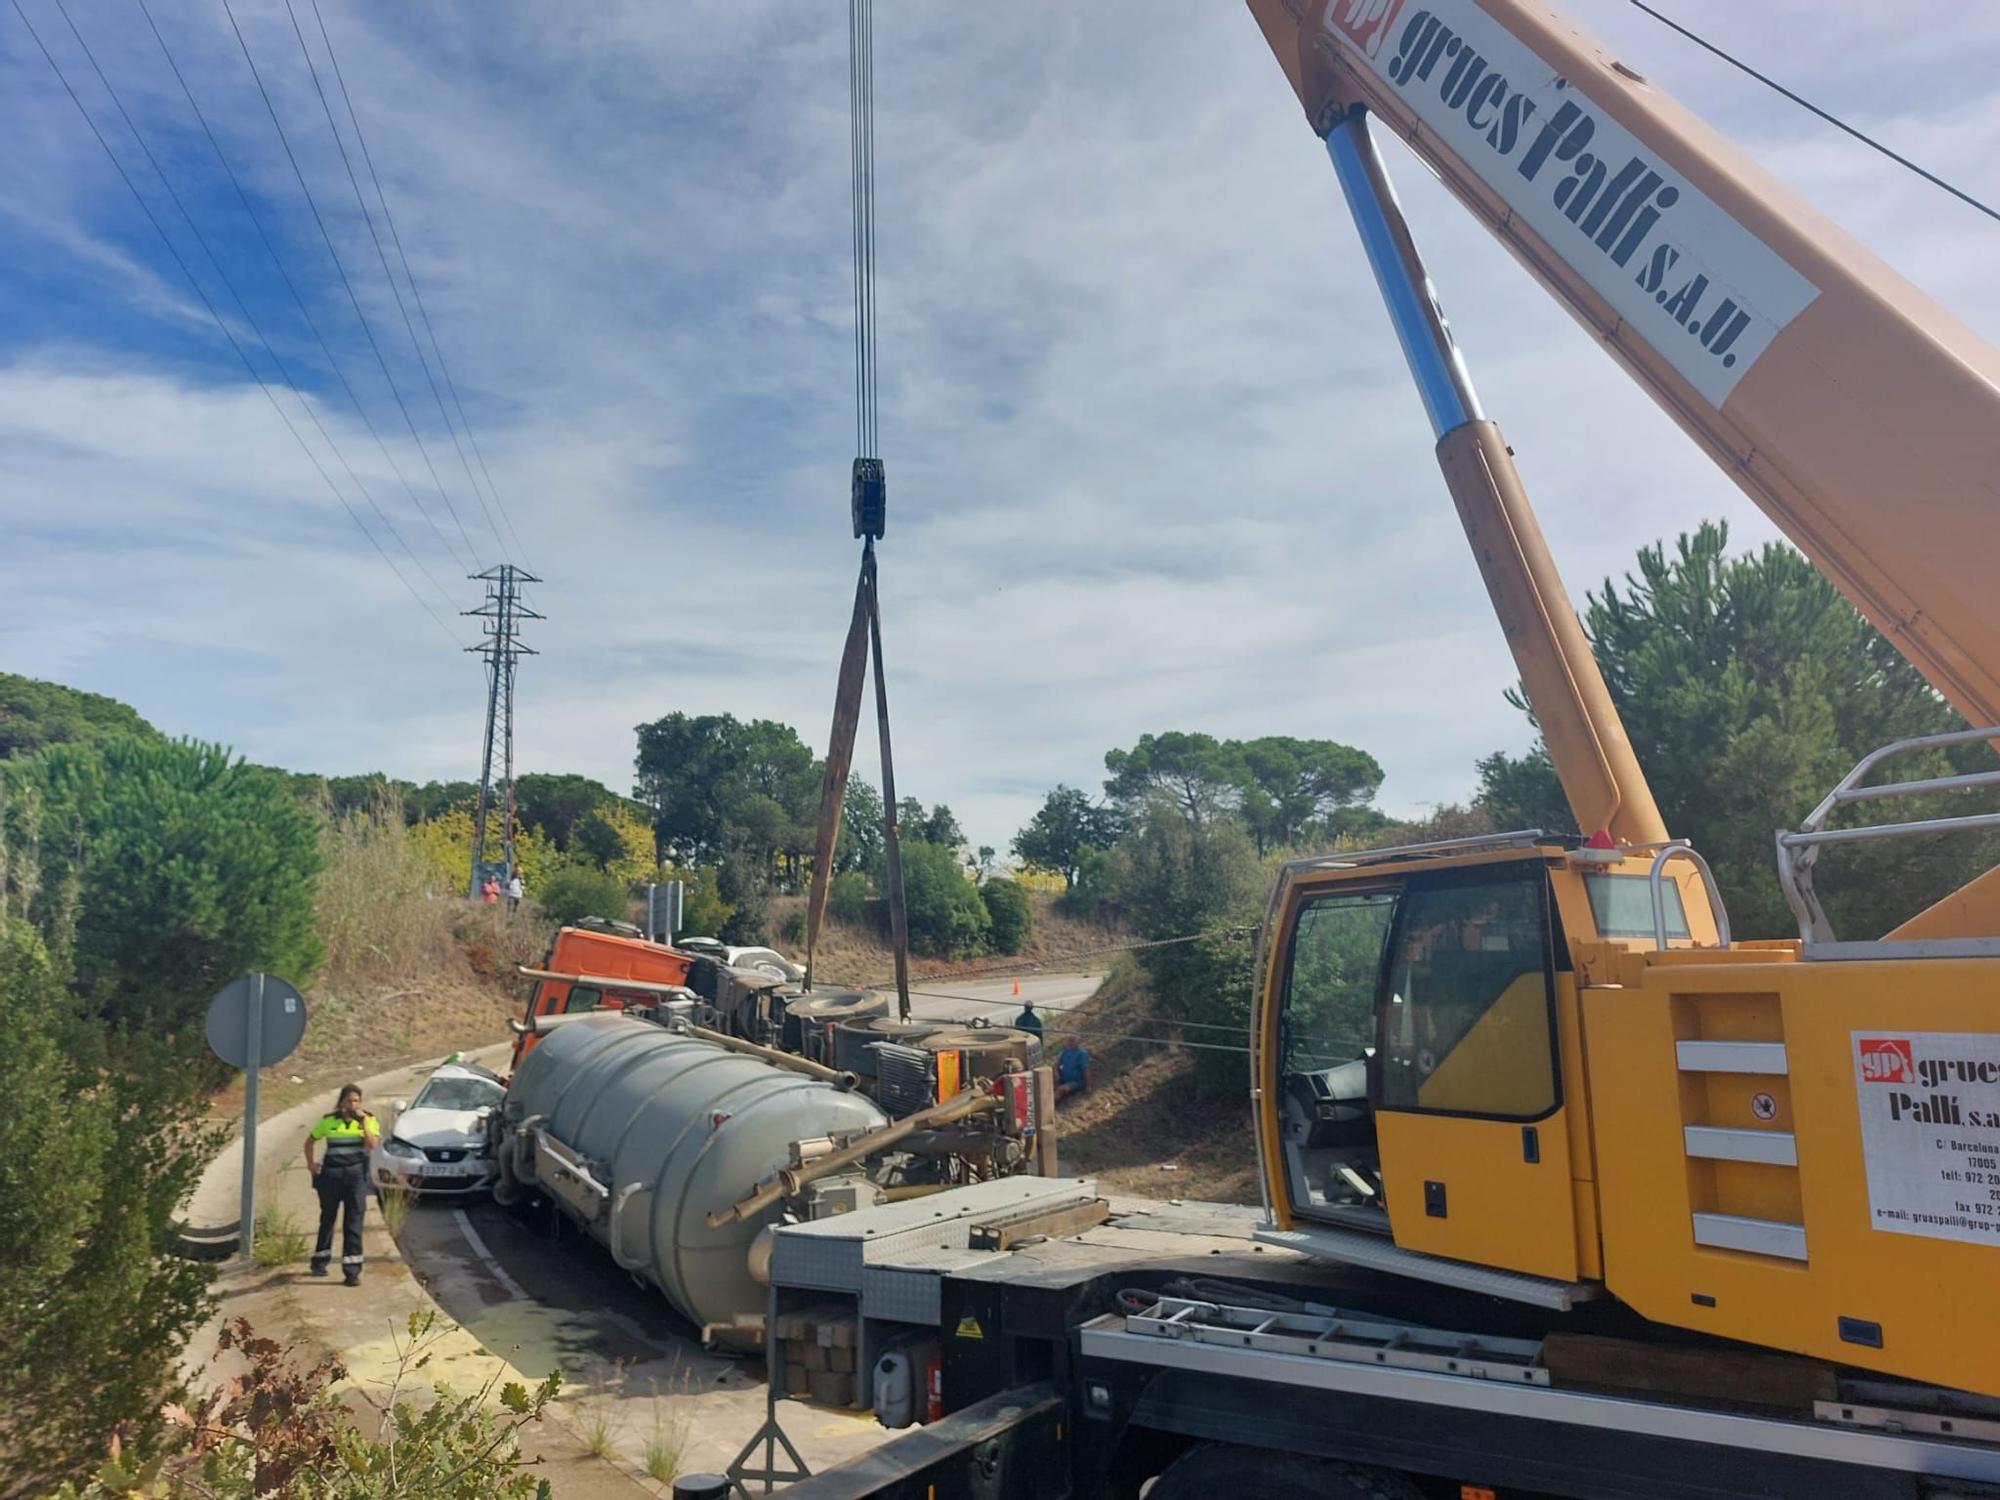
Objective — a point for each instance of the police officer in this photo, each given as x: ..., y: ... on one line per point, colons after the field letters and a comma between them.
x: 340, y: 1176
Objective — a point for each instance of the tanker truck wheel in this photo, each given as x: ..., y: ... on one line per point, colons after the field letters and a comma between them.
x: 1264, y: 1474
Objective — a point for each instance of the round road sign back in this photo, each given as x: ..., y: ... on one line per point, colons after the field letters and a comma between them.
x: 284, y: 1020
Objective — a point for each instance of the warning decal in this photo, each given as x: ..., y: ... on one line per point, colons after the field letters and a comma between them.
x: 1930, y: 1132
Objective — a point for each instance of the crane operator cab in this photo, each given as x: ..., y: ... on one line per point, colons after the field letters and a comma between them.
x: 1418, y: 1028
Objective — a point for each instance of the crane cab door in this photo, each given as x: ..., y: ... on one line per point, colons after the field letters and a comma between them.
x: 1448, y: 1131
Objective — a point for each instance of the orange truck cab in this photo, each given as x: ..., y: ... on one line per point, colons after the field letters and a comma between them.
x: 594, y: 968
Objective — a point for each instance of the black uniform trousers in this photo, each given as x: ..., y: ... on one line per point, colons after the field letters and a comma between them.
x: 341, y: 1187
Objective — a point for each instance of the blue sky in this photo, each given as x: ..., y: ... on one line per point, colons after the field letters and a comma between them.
x: 1154, y: 461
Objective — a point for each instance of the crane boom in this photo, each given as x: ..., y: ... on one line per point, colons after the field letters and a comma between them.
x: 1858, y: 414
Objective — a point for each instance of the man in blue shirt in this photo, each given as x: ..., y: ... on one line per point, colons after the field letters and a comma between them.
x: 1072, y: 1068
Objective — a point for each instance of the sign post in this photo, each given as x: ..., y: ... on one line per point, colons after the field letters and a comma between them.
x: 253, y: 1022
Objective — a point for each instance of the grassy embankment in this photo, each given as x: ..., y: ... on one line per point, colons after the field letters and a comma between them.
x: 411, y: 972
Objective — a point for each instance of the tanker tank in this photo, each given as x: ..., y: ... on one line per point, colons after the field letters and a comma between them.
x: 640, y: 1132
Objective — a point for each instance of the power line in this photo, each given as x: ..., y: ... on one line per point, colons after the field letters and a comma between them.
x: 271, y: 248
x: 468, y: 558
x: 416, y: 292
x: 1011, y: 967
x: 186, y: 271
x: 1806, y: 104
x: 397, y: 292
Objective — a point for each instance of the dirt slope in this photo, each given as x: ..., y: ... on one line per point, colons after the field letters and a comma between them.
x: 1142, y: 1129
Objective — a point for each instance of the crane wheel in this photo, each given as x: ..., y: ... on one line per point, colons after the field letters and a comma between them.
x: 1266, y: 1474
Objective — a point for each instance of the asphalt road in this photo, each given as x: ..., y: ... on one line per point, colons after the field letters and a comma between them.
x: 532, y: 1286
x: 995, y: 1000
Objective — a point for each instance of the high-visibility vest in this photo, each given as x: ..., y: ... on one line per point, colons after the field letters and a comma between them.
x: 344, y: 1142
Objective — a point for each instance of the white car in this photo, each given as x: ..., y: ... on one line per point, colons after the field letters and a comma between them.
x: 764, y: 960
x: 437, y: 1143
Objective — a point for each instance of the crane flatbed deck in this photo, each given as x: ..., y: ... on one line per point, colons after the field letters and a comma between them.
x: 1084, y: 1363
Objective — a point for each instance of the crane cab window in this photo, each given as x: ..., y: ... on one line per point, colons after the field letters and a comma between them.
x: 1622, y: 906
x: 1333, y: 974
x: 582, y: 997
x: 1336, y: 964
x: 1468, y: 1014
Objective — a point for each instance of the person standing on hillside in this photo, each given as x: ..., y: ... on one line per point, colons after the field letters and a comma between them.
x: 340, y: 1177
x: 489, y: 890
x: 515, y: 891
x: 1027, y: 1020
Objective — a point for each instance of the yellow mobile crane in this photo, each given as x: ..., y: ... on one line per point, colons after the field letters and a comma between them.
x: 1580, y: 1087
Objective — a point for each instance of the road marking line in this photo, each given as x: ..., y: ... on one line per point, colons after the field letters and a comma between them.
x: 507, y: 1283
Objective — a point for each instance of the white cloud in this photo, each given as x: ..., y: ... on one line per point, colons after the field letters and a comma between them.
x: 1154, y: 461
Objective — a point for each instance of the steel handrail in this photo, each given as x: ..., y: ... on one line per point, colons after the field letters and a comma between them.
x: 1681, y: 848
x: 1798, y: 852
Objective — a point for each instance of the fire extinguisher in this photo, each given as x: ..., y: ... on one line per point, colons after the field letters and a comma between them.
x: 933, y: 1388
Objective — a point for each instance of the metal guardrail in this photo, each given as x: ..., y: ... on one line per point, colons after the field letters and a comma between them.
x: 1798, y: 853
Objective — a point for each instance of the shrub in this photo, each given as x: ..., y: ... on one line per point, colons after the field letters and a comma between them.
x: 847, y: 897
x: 278, y: 1431
x: 703, y: 911
x: 576, y: 891
x: 947, y: 918
x: 1011, y: 916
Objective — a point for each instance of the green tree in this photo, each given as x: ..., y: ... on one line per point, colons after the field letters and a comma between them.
x: 1290, y: 786
x: 1010, y: 915
x: 596, y: 842
x: 947, y: 918
x: 192, y: 868
x: 577, y: 891
x: 860, y: 843
x: 36, y: 714
x: 1521, y: 791
x: 556, y: 804
x: 714, y: 784
x: 1197, y: 879
x: 938, y: 826
x: 703, y: 911
x: 1201, y: 774
x: 54, y: 1134
x: 435, y: 798
x: 1749, y: 686
x: 1062, y: 830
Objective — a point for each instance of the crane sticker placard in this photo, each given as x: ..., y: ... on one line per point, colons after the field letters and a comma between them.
x: 1680, y: 271
x: 1930, y: 1131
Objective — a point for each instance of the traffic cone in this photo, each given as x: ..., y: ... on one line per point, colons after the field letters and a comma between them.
x: 1017, y: 986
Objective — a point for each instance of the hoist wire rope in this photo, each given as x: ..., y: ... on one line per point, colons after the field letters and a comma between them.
x: 861, y: 149
x: 867, y: 496
x: 1811, y: 108
x: 215, y: 314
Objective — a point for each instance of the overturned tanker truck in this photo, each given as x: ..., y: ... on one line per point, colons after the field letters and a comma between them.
x: 639, y: 1108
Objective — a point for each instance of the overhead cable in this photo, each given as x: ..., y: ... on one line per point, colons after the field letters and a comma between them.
x: 444, y: 368
x: 298, y: 298
x: 221, y: 324
x: 396, y: 291
x: 468, y: 558
x: 389, y: 276
x: 1806, y: 104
